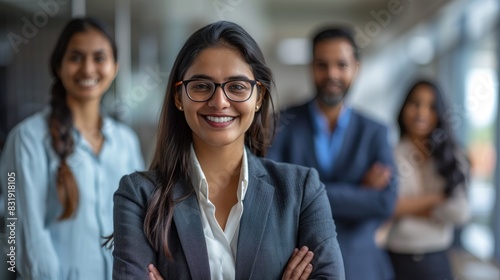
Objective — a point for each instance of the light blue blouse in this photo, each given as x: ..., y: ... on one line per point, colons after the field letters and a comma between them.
x: 47, y: 248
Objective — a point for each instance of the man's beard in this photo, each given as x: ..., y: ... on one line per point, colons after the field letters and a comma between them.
x: 328, y: 98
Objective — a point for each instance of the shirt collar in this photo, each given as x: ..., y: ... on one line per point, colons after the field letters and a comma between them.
x: 320, y: 123
x: 108, y: 127
x: 199, y: 180
x: 108, y: 131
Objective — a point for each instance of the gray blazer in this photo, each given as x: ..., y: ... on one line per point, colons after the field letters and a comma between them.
x: 286, y: 206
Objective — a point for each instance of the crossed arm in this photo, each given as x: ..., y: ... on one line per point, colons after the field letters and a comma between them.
x: 299, y: 266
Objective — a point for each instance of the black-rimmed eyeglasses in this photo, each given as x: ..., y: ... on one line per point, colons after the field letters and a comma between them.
x: 234, y: 90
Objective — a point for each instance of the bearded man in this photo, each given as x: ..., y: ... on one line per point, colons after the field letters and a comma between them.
x: 350, y: 151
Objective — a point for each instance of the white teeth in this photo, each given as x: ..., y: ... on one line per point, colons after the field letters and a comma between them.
x: 220, y: 119
x: 87, y: 83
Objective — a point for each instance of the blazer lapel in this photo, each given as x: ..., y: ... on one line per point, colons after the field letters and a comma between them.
x: 308, y: 125
x: 190, y: 230
x: 257, y: 204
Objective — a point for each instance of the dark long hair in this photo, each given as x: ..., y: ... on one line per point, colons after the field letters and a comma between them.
x: 339, y: 32
x: 60, y: 119
x: 174, y: 138
x: 441, y: 143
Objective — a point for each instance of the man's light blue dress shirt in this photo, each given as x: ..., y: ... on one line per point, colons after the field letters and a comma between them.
x: 327, y: 144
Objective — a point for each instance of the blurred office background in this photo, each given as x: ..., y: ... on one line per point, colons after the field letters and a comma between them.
x: 456, y: 43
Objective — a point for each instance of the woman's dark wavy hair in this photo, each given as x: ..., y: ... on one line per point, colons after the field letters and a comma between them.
x: 174, y: 138
x: 441, y: 142
x: 60, y: 118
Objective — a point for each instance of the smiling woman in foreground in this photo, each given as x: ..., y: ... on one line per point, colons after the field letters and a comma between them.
x: 211, y: 207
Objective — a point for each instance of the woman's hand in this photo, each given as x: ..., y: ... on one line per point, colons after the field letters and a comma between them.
x: 418, y: 206
x: 299, y: 266
x: 154, y: 274
x: 432, y: 200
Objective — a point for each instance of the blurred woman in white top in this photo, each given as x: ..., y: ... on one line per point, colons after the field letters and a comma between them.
x: 432, y: 201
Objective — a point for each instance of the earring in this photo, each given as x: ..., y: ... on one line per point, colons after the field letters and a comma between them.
x: 256, y: 108
x: 180, y: 108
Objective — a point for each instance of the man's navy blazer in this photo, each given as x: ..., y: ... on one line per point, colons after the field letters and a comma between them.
x: 357, y: 210
x: 285, y: 207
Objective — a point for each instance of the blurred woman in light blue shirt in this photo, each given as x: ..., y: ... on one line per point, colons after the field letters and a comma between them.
x: 67, y: 161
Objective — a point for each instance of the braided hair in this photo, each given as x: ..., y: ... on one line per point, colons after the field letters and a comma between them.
x: 61, y: 120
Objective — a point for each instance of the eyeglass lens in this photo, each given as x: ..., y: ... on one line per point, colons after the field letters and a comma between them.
x: 200, y: 90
